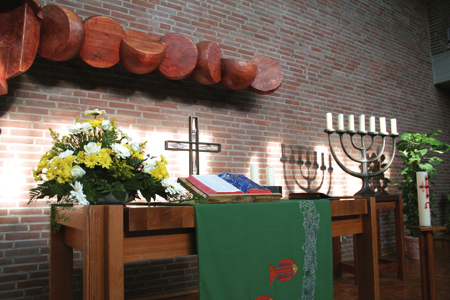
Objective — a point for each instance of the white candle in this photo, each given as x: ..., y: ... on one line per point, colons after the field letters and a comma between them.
x: 423, y: 199
x: 341, y: 122
x: 372, y: 124
x: 351, y: 122
x: 383, y: 125
x: 270, y: 173
x: 394, y: 126
x: 254, y: 173
x: 329, y: 121
x: 362, y: 123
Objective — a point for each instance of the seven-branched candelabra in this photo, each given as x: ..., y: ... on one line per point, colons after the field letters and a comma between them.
x: 365, y: 175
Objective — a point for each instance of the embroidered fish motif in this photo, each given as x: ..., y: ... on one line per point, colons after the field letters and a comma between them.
x: 285, y: 270
x: 264, y: 297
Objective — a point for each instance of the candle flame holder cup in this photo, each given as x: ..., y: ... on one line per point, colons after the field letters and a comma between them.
x: 365, y: 175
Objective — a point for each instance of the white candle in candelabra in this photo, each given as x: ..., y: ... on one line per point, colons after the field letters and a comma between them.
x: 394, y: 126
x: 351, y: 122
x: 362, y: 123
x: 329, y: 121
x: 372, y: 124
x: 423, y: 198
x: 383, y: 125
x: 270, y: 174
x: 254, y: 173
x: 340, y: 122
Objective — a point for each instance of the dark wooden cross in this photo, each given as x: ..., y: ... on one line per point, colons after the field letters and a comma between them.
x: 193, y: 146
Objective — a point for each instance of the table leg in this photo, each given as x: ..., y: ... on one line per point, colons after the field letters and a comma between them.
x: 367, y: 255
x: 61, y: 268
x: 399, y: 239
x: 428, y: 278
x: 114, y: 253
x: 103, y: 253
x: 337, y: 257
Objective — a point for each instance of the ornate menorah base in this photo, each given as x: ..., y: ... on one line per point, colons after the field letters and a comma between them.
x: 366, y: 190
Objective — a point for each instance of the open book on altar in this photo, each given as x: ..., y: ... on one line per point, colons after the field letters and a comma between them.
x: 227, y: 188
x: 226, y: 183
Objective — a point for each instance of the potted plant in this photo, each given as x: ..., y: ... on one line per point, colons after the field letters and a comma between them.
x: 415, y: 150
x: 98, y: 163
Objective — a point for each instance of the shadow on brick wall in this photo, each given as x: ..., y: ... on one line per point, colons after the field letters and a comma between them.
x: 303, y: 168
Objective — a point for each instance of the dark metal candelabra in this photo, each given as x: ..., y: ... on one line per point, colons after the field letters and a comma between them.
x: 365, y: 175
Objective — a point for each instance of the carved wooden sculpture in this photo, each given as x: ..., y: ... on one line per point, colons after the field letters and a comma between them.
x: 237, y: 74
x: 101, y: 42
x: 20, y: 22
x: 62, y: 33
x: 103, y: 36
x: 180, y: 56
x: 268, y: 77
x: 140, y: 52
x: 208, y: 70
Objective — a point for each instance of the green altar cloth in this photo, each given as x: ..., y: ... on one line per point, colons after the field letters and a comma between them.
x: 276, y: 250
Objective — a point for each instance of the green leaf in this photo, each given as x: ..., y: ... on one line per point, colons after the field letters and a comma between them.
x: 423, y: 151
x: 132, y: 185
x: 426, y: 167
x: 435, y: 160
x: 120, y: 195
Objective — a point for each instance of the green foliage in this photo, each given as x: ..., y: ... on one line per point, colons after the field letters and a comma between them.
x: 415, y: 150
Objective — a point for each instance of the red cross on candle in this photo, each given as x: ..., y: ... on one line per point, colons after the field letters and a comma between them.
x: 425, y: 186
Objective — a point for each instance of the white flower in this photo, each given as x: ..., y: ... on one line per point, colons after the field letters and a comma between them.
x: 149, y: 165
x: 124, y: 134
x: 64, y: 154
x: 92, y: 148
x: 86, y: 127
x: 77, y: 172
x: 77, y: 194
x: 76, y: 128
x: 106, y: 125
x: 135, y: 147
x: 95, y: 112
x: 121, y: 150
x: 172, y: 187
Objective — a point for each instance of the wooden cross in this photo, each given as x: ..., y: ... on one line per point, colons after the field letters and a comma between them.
x: 193, y: 146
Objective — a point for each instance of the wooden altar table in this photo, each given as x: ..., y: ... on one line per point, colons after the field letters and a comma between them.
x: 108, y: 236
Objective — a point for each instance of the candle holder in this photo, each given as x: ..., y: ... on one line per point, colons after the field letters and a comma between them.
x: 365, y: 175
x: 309, y: 170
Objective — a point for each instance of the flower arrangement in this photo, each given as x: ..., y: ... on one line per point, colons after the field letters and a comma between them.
x: 98, y: 160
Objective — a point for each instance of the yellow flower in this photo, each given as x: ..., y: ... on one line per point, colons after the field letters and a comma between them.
x: 104, y: 159
x: 90, y: 160
x: 69, y: 159
x: 163, y: 160
x: 35, y: 175
x: 81, y: 156
x: 43, y: 162
x: 51, y: 174
x: 160, y: 172
x: 96, y: 122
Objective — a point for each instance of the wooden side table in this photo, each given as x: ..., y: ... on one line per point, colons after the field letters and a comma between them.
x: 427, y: 273
x: 382, y: 202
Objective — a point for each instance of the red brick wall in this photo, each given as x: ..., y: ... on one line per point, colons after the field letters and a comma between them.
x: 439, y: 23
x: 360, y: 57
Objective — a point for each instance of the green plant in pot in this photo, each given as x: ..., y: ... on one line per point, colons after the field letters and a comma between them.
x: 416, y: 153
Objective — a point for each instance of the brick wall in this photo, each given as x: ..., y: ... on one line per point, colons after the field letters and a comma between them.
x: 360, y: 57
x: 439, y: 23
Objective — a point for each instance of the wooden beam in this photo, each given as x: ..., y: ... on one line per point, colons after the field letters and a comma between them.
x: 159, y: 246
